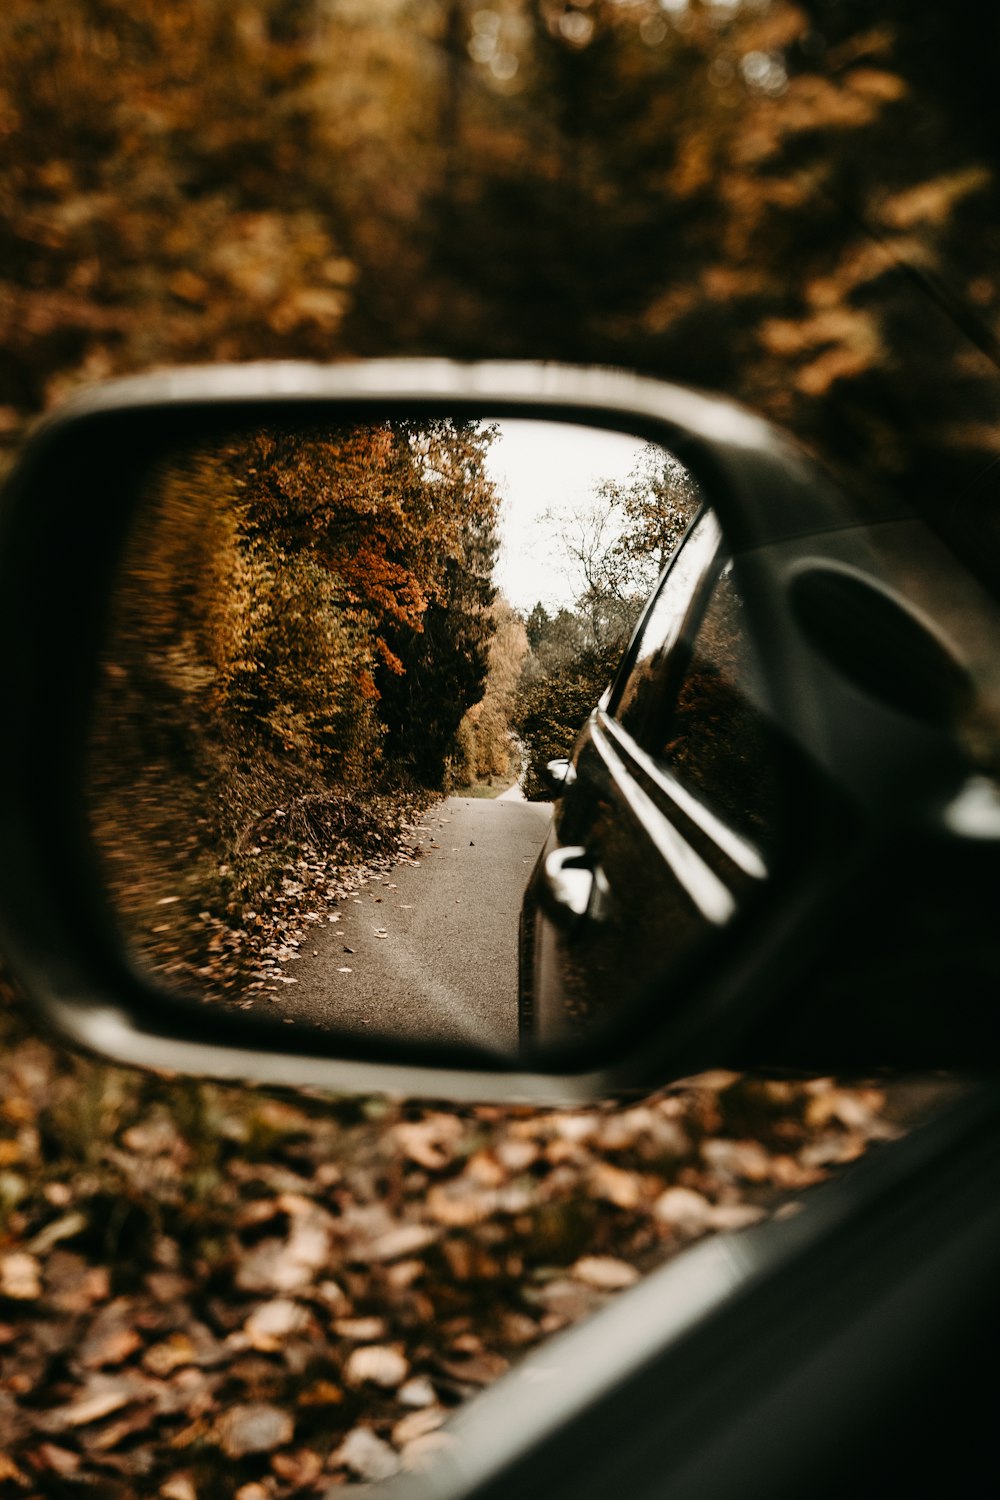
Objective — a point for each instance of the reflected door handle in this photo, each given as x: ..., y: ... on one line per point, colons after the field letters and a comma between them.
x: 574, y: 886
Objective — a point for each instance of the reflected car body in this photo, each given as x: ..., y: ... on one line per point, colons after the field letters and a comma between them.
x: 735, y: 745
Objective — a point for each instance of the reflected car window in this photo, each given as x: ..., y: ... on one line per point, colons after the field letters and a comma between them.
x: 713, y: 736
x: 648, y: 678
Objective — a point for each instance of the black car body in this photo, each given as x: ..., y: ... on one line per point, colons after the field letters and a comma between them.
x: 785, y: 708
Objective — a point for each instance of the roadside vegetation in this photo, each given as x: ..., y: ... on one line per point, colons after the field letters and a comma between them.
x: 302, y: 631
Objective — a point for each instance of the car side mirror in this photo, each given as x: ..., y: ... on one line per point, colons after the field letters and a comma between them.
x: 292, y: 674
x: 560, y: 775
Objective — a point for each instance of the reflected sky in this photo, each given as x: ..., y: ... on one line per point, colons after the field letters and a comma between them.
x: 542, y: 467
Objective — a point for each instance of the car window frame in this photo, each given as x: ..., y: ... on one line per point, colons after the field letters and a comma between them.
x: 678, y: 627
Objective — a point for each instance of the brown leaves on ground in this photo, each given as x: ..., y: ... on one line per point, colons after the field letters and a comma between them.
x: 209, y: 1292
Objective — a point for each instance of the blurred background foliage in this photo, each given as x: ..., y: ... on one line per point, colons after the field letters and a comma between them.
x: 792, y: 202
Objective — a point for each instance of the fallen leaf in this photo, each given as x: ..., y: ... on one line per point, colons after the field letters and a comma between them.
x: 430, y: 1142
x: 321, y: 1393
x: 366, y: 1456
x: 460, y: 1203
x: 20, y: 1277
x: 112, y: 1336
x: 253, y: 1428
x: 288, y: 1265
x: 683, y: 1209
x: 376, y: 1364
x: 615, y: 1185
x: 153, y: 1137
x: 417, y: 1424
x: 178, y: 1487
x: 65, y: 1228
x: 473, y: 1366
x: 417, y: 1392
x: 58, y: 1460
x: 10, y: 1473
x: 728, y: 1216
x: 71, y: 1285
x: 173, y: 1353
x: 604, y: 1272
x: 270, y: 1324
x: 299, y: 1469
x: 406, y: 1239
x: 361, y: 1329
x: 91, y: 1408
x: 734, y: 1160
x: 563, y: 1301
x: 517, y: 1155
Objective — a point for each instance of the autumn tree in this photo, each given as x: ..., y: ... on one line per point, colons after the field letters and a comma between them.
x: 550, y: 709
x: 444, y: 663
x: 650, y: 510
x: 485, y: 742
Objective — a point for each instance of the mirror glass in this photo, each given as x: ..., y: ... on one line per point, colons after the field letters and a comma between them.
x: 338, y: 661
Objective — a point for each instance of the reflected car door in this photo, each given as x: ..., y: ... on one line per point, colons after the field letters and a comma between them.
x: 661, y: 834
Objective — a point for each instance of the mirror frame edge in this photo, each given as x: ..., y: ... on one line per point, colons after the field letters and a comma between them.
x: 746, y: 461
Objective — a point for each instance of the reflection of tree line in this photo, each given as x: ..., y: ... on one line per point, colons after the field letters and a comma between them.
x: 616, y: 550
x: 301, y: 625
x: 713, y: 735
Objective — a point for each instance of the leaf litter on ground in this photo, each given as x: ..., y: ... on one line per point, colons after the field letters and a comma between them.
x: 205, y: 1286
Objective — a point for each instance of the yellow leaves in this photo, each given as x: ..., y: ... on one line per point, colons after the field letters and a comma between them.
x: 278, y: 262
x: 320, y: 306
x: 815, y: 103
x: 876, y: 84
x: 863, y: 262
x: 933, y: 202
x: 844, y: 340
x: 188, y: 286
x: 816, y: 378
x: 774, y: 30
x: 788, y: 336
x: 696, y: 165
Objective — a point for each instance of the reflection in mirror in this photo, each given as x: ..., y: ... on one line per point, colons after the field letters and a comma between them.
x: 337, y: 662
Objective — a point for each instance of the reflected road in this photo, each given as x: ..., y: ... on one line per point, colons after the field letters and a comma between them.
x: 429, y: 949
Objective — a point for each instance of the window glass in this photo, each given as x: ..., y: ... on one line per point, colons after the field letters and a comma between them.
x: 648, y: 677
x: 713, y: 735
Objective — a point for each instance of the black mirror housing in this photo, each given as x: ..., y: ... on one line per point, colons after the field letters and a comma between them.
x: 892, y: 813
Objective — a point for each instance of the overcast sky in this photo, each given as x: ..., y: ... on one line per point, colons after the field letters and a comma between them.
x: 542, y: 466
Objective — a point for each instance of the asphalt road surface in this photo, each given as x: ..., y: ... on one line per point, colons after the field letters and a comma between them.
x: 429, y: 950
